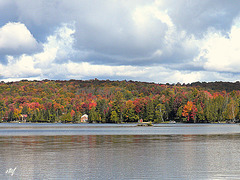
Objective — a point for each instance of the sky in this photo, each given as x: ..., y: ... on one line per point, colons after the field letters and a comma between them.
x: 162, y: 41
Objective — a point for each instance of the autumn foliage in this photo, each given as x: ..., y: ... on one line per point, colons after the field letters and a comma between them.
x: 189, y: 111
x: 114, y: 102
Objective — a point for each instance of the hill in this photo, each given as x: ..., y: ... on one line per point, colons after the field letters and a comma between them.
x: 217, y: 86
x: 117, y: 101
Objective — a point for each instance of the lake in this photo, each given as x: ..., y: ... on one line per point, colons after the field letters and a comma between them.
x: 109, y: 151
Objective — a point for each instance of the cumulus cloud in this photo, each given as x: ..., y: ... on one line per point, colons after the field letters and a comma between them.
x: 22, y: 67
x: 15, y: 38
x: 60, y: 46
x: 221, y: 52
x: 155, y: 40
x: 57, y: 47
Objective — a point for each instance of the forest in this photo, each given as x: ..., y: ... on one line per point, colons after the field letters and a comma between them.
x: 105, y: 101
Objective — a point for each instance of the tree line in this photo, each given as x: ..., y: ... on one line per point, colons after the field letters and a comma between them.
x: 115, y: 102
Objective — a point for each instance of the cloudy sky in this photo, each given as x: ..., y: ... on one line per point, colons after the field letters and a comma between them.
x: 144, y: 40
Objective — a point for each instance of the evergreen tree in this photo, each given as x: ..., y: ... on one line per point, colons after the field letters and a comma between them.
x: 150, y: 111
x: 160, y: 112
x: 118, y: 105
x: 93, y: 117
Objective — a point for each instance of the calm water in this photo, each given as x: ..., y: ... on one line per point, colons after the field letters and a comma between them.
x: 171, y: 151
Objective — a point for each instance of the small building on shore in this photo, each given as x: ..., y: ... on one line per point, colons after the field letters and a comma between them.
x: 84, y: 118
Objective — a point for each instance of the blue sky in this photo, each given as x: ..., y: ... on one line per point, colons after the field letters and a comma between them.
x: 155, y: 40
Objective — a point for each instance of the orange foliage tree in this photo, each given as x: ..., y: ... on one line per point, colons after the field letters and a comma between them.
x: 189, y: 111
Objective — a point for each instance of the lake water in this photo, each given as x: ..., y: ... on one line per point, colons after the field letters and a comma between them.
x: 108, y: 151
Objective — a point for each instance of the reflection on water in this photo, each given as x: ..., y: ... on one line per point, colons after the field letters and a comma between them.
x: 24, y: 129
x: 121, y: 157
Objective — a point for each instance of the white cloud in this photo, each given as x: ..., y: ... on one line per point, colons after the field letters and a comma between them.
x: 20, y: 67
x: 161, y: 41
x: 81, y: 70
x: 150, y: 19
x: 58, y: 46
x: 219, y: 52
x: 16, y: 37
x: 156, y: 74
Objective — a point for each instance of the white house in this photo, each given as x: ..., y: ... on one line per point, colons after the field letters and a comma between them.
x: 84, y: 118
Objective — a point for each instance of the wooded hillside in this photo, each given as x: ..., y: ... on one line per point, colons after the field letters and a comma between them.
x: 116, y: 101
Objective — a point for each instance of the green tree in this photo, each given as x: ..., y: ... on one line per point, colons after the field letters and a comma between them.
x: 160, y: 112
x: 93, y: 116
x: 200, y: 113
x: 77, y: 117
x: 118, y: 105
x: 114, y: 117
x: 231, y: 111
x: 66, y: 118
x: 129, y: 114
x: 101, y: 109
x: 210, y: 111
x: 150, y: 111
x: 179, y: 113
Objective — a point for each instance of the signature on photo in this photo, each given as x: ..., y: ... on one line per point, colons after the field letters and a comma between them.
x: 11, y: 171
